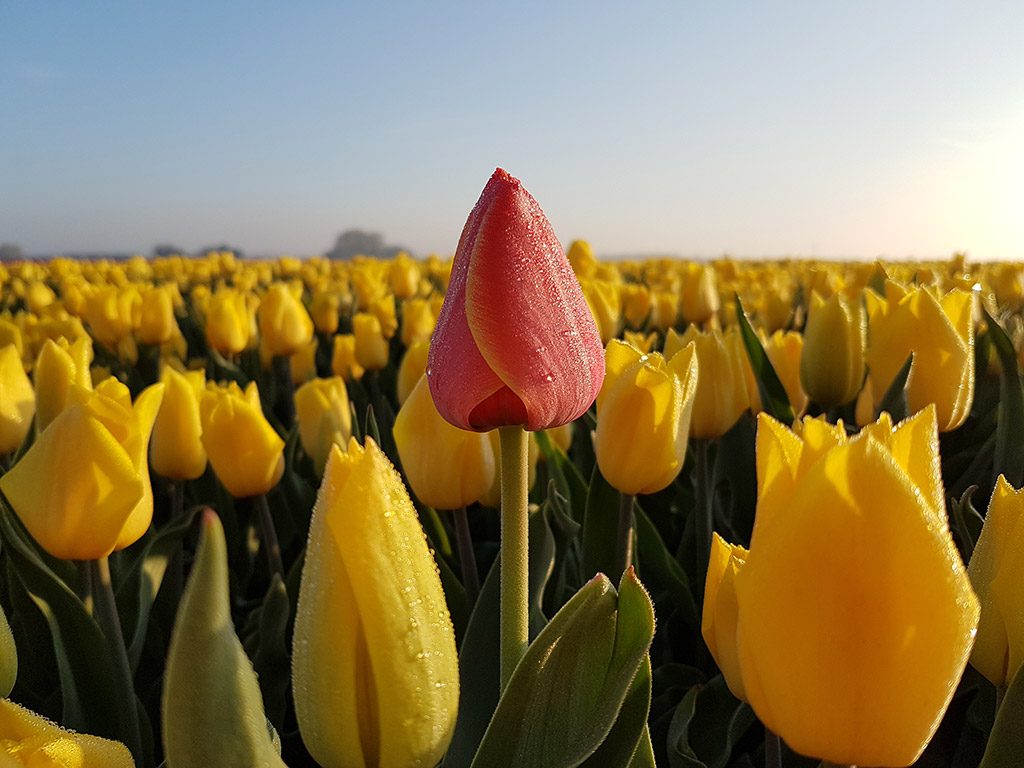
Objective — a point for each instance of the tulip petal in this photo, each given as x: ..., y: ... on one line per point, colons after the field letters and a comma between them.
x: 54, y: 745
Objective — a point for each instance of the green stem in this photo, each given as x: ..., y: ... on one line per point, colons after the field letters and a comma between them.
x: 515, y: 545
x: 772, y: 749
x: 269, y: 535
x: 704, y: 510
x: 626, y: 535
x: 467, y: 558
x: 176, y: 567
x: 110, y: 624
x: 285, y: 390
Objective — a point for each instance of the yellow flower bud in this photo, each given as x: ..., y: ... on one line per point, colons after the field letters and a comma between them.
x: 245, y: 451
x: 412, y: 367
x: 32, y: 741
x: 371, y: 347
x: 699, y: 299
x: 324, y: 309
x: 721, y: 387
x: 384, y: 309
x: 17, y: 400
x: 303, y: 362
x: 643, y: 417
x: 581, y: 257
x: 157, y: 324
x: 418, y: 321
x: 57, y: 369
x: 284, y: 323
x: 112, y: 313
x: 996, y: 568
x: 832, y: 361
x: 177, y: 450
x: 721, y: 611
x: 606, y: 307
x: 636, y: 304
x: 375, y: 672
x: 833, y: 613
x: 343, y: 359
x: 404, y: 276
x: 666, y: 310
x: 228, y: 321
x: 447, y: 467
x: 39, y: 296
x: 636, y: 339
x: 325, y: 418
x: 83, y: 490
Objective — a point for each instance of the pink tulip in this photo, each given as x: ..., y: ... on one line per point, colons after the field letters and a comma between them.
x: 515, y: 343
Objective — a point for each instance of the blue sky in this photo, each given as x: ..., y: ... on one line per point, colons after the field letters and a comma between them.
x: 828, y: 129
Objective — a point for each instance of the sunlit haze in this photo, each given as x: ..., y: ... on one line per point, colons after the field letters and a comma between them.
x: 813, y: 129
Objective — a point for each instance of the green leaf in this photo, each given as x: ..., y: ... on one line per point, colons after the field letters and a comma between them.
x: 774, y: 399
x: 566, y: 693
x: 271, y: 658
x: 1009, y: 453
x: 707, y: 724
x: 657, y: 565
x: 567, y: 477
x: 1006, y: 742
x: 600, y: 527
x: 618, y: 748
x: 894, y: 401
x: 967, y: 523
x: 643, y: 756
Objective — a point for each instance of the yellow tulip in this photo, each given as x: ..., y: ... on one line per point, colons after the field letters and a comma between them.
x: 8, y: 658
x: 343, y: 358
x: 643, y: 417
x: 721, y: 611
x: 996, y: 568
x: 856, y: 615
x: 447, y: 467
x: 581, y: 257
x: 285, y: 325
x: 17, y: 400
x: 325, y: 418
x: 57, y: 369
x: 785, y: 351
x: 644, y: 343
x: 418, y: 321
x: 39, y: 296
x: 412, y: 367
x: 606, y: 307
x: 83, y: 490
x: 302, y: 364
x: 699, y: 299
x: 112, y: 313
x: 324, y: 309
x: 721, y: 386
x: 375, y: 673
x: 157, y: 324
x: 832, y: 361
x: 666, y: 310
x: 228, y: 321
x: 384, y: 310
x: 636, y: 304
x: 32, y: 741
x: 940, y: 333
x: 371, y: 348
x: 177, y: 450
x: 245, y: 451
x: 404, y: 276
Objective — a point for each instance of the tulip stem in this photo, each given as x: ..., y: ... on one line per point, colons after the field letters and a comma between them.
x: 704, y: 510
x: 515, y: 548
x: 772, y: 749
x: 627, y: 534
x: 286, y: 391
x: 467, y: 558
x: 270, y: 543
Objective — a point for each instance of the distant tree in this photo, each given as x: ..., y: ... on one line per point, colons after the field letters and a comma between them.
x: 358, y: 242
x: 10, y: 252
x: 167, y: 250
x: 238, y: 252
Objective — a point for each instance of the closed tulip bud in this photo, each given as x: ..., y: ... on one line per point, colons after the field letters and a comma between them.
x: 643, y: 417
x: 385, y: 312
x: 643, y: 343
x: 39, y: 296
x: 157, y: 324
x: 284, y: 323
x: 324, y: 309
x: 212, y: 710
x: 447, y: 467
x: 515, y: 343
x: 176, y: 451
x: 245, y: 451
x: 699, y: 299
x: 112, y: 313
x: 412, y: 367
x: 303, y: 363
x: 850, y: 648
x: 32, y: 741
x: 581, y: 257
x: 228, y: 322
x: 17, y: 401
x: 375, y: 672
x: 84, y: 510
x: 371, y: 346
x: 785, y: 352
x: 940, y: 333
x: 605, y: 307
x: 996, y: 570
x: 832, y: 361
x: 325, y: 418
x: 404, y: 276
x: 418, y: 321
x: 721, y: 387
x: 343, y: 358
x: 721, y: 611
x: 636, y: 304
x: 11, y: 336
x: 666, y: 310
x: 8, y: 659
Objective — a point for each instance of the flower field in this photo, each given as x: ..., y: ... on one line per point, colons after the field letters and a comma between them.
x: 521, y: 507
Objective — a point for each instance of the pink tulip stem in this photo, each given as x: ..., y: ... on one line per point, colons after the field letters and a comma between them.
x: 268, y: 533
x: 515, y: 547
x: 467, y: 558
x: 626, y: 535
x: 772, y: 749
x: 704, y: 511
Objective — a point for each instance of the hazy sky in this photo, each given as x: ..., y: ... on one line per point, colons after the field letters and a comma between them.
x: 806, y: 128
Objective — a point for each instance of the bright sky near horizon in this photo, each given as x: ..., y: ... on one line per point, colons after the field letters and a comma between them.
x: 682, y: 128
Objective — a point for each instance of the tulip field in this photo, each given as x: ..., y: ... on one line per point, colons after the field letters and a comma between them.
x: 515, y: 507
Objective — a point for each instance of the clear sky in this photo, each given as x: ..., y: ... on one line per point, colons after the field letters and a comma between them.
x: 754, y: 128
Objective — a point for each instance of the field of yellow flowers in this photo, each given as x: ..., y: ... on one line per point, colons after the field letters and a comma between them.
x: 519, y: 508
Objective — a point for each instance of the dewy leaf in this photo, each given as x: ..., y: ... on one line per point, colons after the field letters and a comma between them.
x: 1009, y: 455
x: 1006, y: 742
x: 566, y: 693
x: 618, y: 748
x: 773, y: 395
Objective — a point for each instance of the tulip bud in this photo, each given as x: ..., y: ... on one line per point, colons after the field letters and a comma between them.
x: 57, y: 370
x: 996, y: 568
x: 404, y: 276
x: 112, y: 313
x: 85, y: 510
x: 343, y: 358
x: 581, y: 257
x: 643, y: 417
x: 177, y: 450
x: 375, y: 672
x: 212, y: 710
x: 605, y: 307
x: 371, y: 348
x: 324, y: 310
x: 245, y: 451
x: 721, y: 386
x: 284, y: 323
x: 8, y: 658
x: 157, y: 324
x: 325, y: 418
x: 418, y: 321
x: 34, y: 742
x: 302, y: 364
x: 699, y: 299
x: 17, y: 400
x: 666, y: 310
x: 412, y: 367
x: 832, y: 362
x: 636, y: 304
x: 447, y: 467
x: 384, y: 310
x: 515, y: 343
x: 721, y: 611
x: 228, y: 322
